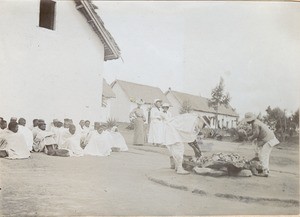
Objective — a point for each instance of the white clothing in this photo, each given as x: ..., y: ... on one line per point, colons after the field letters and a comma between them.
x: 156, y: 130
x: 42, y: 139
x: 73, y: 145
x: 88, y: 137
x: 119, y: 141
x: 99, y: 145
x: 35, y: 130
x: 265, y: 151
x: 27, y: 133
x: 14, y: 144
x: 177, y: 151
x: 180, y: 129
x: 62, y: 136
x: 56, y: 132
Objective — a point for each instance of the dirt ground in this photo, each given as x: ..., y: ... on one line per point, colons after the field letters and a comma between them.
x: 139, y: 182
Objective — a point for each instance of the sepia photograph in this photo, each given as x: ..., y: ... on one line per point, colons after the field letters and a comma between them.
x: 149, y: 108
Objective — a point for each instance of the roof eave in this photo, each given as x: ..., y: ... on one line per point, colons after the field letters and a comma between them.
x: 111, y: 49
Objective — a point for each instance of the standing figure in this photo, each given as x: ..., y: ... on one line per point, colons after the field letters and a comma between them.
x: 156, y: 130
x: 138, y: 117
x: 266, y: 140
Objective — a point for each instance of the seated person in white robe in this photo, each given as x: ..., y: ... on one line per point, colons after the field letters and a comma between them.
x: 119, y: 141
x: 72, y: 144
x: 35, y: 127
x: 12, y: 144
x: 44, y: 142
x: 86, y: 127
x: 26, y: 132
x: 87, y: 137
x: 63, y: 133
x: 99, y: 145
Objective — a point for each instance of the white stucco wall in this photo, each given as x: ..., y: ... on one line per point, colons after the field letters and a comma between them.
x: 175, y: 109
x: 120, y: 106
x: 49, y: 74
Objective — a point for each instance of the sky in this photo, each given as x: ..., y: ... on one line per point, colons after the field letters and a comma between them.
x: 188, y: 46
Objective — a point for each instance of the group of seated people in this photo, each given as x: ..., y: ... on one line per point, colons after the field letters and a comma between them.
x: 61, y: 139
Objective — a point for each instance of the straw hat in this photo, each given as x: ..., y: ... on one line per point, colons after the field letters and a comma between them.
x: 157, y: 100
x: 249, y: 117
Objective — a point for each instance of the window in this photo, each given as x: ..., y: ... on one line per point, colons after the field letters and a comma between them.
x: 47, y: 13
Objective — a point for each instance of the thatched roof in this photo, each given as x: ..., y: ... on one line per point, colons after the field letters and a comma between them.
x: 111, y: 49
x: 199, y: 103
x: 139, y: 91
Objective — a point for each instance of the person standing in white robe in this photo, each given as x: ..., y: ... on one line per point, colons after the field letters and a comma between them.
x: 173, y: 139
x: 99, y: 145
x: 72, y: 144
x: 26, y: 132
x: 119, y: 141
x: 156, y: 134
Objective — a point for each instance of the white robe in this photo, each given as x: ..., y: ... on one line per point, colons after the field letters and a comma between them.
x: 99, y: 145
x: 180, y: 129
x: 14, y: 144
x: 27, y: 133
x: 62, y: 136
x: 42, y: 139
x: 73, y: 145
x: 156, y: 130
x: 118, y: 141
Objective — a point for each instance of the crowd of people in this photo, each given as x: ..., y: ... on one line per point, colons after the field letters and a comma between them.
x: 165, y: 130
x: 63, y: 139
x: 175, y: 132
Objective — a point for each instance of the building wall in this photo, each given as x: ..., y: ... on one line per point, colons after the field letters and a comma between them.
x: 175, y: 108
x: 105, y: 111
x: 49, y: 73
x: 223, y: 119
x: 120, y: 106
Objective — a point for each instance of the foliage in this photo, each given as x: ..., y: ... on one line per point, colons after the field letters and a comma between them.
x: 279, y: 122
x: 111, y: 122
x: 186, y: 107
x: 218, y: 97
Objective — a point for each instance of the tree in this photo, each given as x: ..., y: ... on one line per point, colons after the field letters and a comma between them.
x: 278, y: 121
x: 218, y: 98
x: 295, y: 118
x: 185, y: 107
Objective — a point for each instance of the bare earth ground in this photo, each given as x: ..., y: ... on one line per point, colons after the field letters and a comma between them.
x: 139, y: 182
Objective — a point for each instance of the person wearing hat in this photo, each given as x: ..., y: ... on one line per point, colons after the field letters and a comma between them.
x: 156, y: 129
x: 265, y: 140
x: 138, y: 118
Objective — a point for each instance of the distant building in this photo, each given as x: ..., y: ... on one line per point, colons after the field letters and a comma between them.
x: 227, y: 117
x: 126, y: 95
x: 51, y: 59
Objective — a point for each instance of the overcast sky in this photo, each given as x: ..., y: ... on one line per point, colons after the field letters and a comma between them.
x: 254, y: 46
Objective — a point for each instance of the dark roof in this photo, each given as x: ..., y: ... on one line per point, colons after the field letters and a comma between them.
x: 139, y: 91
x: 107, y: 91
x: 199, y: 103
x: 111, y: 49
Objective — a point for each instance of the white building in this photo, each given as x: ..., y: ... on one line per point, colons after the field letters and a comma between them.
x: 227, y: 117
x: 108, y: 96
x: 126, y: 95
x: 51, y: 59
